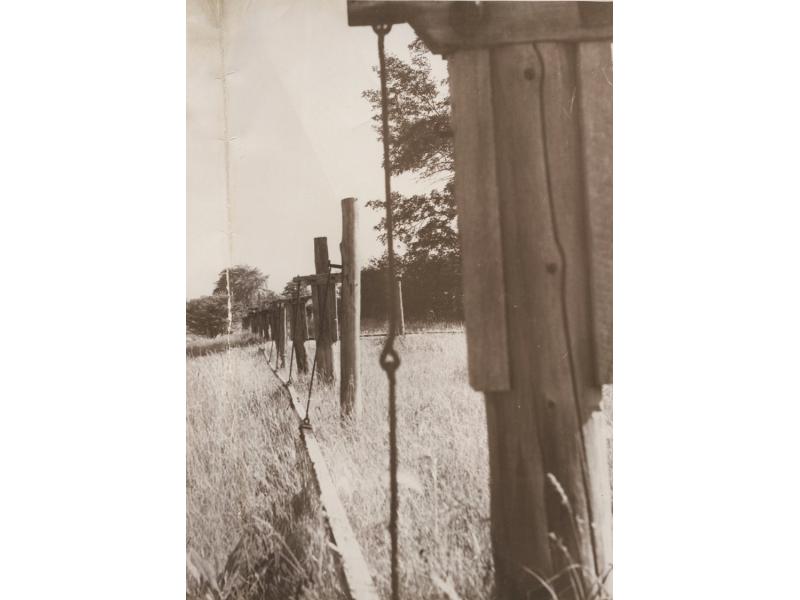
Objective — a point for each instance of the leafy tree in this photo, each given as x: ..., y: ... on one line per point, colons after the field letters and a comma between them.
x: 424, y: 224
x: 207, y: 315
x: 248, y: 285
x: 419, y: 115
x: 290, y: 289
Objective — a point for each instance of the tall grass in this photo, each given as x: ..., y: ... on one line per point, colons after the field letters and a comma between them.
x: 200, y: 346
x: 444, y: 496
x: 378, y: 326
x: 250, y: 492
x: 254, y: 528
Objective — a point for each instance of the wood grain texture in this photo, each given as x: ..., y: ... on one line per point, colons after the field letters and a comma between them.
x: 350, y: 347
x: 479, y: 227
x: 537, y: 428
x: 532, y: 427
x: 571, y: 219
x: 595, y: 104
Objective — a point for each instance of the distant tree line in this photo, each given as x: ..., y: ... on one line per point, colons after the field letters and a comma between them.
x: 243, y: 285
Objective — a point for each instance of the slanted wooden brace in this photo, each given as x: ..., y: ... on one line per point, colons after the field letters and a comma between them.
x: 531, y: 94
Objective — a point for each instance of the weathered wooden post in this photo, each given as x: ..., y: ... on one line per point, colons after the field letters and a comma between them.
x: 398, y: 293
x: 299, y: 331
x: 324, y: 324
x: 350, y: 347
x: 279, y: 320
x: 530, y: 88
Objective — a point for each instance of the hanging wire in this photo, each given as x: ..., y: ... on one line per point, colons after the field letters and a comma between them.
x: 322, y: 319
x: 390, y: 360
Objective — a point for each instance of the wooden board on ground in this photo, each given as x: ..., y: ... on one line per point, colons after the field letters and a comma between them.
x: 354, y: 566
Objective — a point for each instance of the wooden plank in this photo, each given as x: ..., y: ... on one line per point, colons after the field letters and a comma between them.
x: 350, y: 348
x: 479, y: 221
x: 449, y: 26
x: 565, y: 156
x: 536, y: 428
x: 595, y: 105
x: 356, y: 571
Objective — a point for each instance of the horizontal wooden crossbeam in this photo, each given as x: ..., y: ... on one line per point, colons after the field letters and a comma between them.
x: 449, y: 26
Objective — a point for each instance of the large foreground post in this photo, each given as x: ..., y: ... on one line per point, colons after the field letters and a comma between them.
x: 530, y: 84
x: 324, y: 311
x: 350, y: 347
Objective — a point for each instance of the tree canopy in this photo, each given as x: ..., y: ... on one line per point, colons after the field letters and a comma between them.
x: 207, y: 315
x: 419, y: 115
x: 247, y: 284
x: 424, y: 224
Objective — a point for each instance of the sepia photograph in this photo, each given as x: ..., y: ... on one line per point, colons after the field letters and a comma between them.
x: 399, y: 300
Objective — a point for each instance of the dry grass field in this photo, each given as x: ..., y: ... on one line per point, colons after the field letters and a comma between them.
x: 443, y: 475
x: 254, y: 527
x: 249, y: 482
x: 254, y: 522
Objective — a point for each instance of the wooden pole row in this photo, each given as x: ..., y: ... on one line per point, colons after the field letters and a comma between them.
x: 286, y: 318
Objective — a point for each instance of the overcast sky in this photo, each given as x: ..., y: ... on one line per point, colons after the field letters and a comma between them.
x: 301, y: 134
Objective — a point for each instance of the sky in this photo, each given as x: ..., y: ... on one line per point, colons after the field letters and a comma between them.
x: 300, y: 135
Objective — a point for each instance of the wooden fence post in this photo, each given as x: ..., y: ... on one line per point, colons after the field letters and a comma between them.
x: 324, y: 324
x: 280, y: 332
x: 350, y: 347
x: 299, y: 332
x: 398, y: 292
x: 530, y: 84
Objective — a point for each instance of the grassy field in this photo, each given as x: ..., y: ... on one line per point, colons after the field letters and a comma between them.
x: 444, y: 495
x: 201, y: 346
x: 249, y: 482
x: 254, y: 528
